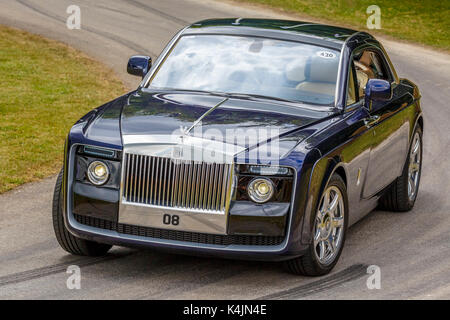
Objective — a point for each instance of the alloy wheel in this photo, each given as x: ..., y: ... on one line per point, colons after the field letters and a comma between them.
x: 415, y: 157
x: 329, y: 225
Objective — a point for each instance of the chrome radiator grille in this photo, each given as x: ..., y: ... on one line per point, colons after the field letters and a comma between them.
x: 176, y: 183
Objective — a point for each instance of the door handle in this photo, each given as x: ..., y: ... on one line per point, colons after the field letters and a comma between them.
x: 370, y: 121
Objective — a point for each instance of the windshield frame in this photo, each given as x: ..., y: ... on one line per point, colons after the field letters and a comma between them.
x: 332, y: 107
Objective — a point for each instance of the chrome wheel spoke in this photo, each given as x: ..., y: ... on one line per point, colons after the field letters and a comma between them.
x: 321, y: 249
x: 334, y: 203
x: 338, y: 222
x: 320, y: 216
x: 416, y: 147
x: 331, y: 244
x: 316, y: 236
x: 412, y: 184
x: 414, y: 167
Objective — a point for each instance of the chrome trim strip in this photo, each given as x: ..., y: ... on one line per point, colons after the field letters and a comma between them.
x: 338, y: 80
x: 337, y: 97
x: 192, y: 148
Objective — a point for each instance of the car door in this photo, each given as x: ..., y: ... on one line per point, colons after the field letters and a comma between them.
x: 356, y: 153
x: 387, y: 123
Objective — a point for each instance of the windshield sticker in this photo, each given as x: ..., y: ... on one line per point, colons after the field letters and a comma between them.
x: 326, y: 54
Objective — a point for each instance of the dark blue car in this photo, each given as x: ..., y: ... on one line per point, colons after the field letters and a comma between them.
x: 251, y: 139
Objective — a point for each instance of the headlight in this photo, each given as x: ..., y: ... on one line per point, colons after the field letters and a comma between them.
x: 260, y: 190
x: 98, y: 172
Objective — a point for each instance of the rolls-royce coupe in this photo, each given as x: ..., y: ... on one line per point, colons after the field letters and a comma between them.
x: 246, y: 138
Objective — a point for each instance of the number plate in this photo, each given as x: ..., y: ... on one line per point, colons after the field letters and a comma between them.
x: 174, y: 219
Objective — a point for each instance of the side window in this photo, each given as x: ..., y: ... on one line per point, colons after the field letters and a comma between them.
x: 369, y: 65
x: 351, y: 92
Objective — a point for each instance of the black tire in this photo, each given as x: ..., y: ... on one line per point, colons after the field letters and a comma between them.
x: 309, y: 264
x: 396, y: 197
x: 66, y: 240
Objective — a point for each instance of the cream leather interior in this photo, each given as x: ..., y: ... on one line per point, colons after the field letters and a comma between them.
x: 318, y: 87
x: 320, y: 78
x: 295, y: 71
x: 363, y: 71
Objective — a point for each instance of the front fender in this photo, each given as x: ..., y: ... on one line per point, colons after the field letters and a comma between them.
x: 321, y: 173
x: 302, y: 202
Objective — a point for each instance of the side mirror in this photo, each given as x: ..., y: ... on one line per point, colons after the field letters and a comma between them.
x: 139, y: 65
x: 377, y: 90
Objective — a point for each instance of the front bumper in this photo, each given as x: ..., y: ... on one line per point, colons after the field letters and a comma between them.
x: 134, y: 236
x: 240, y: 246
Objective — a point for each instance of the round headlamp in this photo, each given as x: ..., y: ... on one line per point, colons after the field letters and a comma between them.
x: 260, y: 190
x: 98, y: 173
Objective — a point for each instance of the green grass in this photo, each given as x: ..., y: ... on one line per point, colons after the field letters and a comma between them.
x: 425, y: 22
x: 45, y: 86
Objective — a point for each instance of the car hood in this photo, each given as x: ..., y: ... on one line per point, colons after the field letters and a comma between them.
x: 244, y: 122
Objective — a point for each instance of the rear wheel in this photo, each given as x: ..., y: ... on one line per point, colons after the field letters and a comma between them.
x: 330, y: 226
x: 402, y: 194
x: 66, y: 240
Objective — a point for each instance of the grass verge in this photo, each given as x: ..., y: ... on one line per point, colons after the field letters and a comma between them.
x: 423, y: 22
x: 45, y: 86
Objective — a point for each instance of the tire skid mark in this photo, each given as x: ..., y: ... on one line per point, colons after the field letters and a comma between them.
x: 110, y: 36
x: 158, y: 12
x: 349, y: 274
x: 56, y: 268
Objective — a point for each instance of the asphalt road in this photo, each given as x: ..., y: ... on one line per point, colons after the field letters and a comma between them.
x: 412, y: 249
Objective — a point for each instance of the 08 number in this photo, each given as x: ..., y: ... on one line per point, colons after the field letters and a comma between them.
x: 171, y: 219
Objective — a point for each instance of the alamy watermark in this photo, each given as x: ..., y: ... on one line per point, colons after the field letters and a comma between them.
x: 212, y: 145
x: 74, y: 19
x: 74, y: 280
x: 374, y: 19
x: 374, y: 280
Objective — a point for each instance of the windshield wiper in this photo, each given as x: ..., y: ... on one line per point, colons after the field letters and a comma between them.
x: 251, y: 95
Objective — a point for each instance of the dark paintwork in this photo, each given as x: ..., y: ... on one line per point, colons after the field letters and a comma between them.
x: 246, y: 218
x: 148, y: 112
x: 95, y: 202
x: 316, y: 144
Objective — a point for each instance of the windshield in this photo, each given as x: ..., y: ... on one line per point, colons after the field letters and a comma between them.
x: 251, y: 66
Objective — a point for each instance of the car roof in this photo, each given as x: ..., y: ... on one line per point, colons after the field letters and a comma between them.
x: 320, y: 34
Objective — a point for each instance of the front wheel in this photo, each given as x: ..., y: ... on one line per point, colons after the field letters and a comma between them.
x: 66, y: 240
x: 330, y: 227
